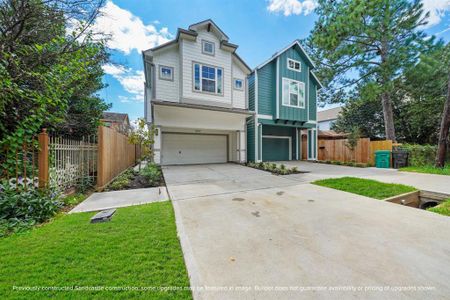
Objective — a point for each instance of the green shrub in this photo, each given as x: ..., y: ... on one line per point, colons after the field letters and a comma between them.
x: 282, y: 167
x: 73, y: 199
x: 152, y: 173
x: 261, y: 165
x: 20, y: 210
x: 119, y: 183
x: 294, y: 169
x: 422, y: 155
x: 361, y: 165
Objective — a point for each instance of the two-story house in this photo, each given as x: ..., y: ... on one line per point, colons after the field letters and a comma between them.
x: 282, y: 92
x: 196, y: 96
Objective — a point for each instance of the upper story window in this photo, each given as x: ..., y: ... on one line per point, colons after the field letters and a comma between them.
x: 207, y: 47
x: 238, y: 84
x: 208, y: 79
x: 293, y: 93
x: 293, y: 65
x: 165, y: 73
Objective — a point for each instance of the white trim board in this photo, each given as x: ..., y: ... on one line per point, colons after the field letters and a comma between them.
x: 267, y: 117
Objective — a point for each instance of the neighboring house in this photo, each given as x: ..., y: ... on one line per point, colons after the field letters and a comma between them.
x: 326, y: 118
x: 196, y: 96
x: 282, y: 92
x: 117, y: 121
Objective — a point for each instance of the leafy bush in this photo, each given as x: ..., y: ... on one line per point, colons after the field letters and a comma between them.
x: 119, y: 183
x: 420, y: 155
x: 19, y: 210
x: 152, y: 172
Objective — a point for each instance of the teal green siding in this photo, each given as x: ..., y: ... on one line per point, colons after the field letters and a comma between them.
x: 293, y: 113
x: 275, y: 149
x: 251, y: 92
x: 267, y: 89
x: 251, y: 139
x: 313, y: 101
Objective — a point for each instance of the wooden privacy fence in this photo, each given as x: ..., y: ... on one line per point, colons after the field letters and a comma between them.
x: 63, y: 163
x: 338, y: 150
x: 364, y: 152
x: 115, y: 154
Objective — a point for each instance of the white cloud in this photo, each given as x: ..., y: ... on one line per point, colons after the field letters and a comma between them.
x: 437, y: 9
x: 292, y: 7
x: 127, y: 31
x: 131, y: 80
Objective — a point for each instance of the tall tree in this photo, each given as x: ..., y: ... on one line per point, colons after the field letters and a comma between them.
x: 367, y: 41
x: 43, y: 65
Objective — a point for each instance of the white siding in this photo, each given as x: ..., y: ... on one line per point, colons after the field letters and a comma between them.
x: 239, y: 95
x: 167, y: 90
x: 192, y: 52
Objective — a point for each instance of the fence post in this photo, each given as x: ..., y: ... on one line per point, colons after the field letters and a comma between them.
x: 43, y: 159
x: 100, y: 158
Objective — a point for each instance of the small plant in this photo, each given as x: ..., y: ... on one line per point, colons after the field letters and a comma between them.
x: 282, y: 167
x: 119, y: 184
x: 261, y: 165
x: 20, y: 210
x: 152, y: 173
x: 294, y: 169
x: 73, y: 199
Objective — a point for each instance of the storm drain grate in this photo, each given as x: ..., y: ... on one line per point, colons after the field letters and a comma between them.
x: 103, y: 216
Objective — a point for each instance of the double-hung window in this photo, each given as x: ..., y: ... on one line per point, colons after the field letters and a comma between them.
x: 293, y: 93
x: 208, y: 79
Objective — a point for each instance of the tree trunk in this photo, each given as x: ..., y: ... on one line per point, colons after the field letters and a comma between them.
x: 443, y: 133
x: 388, y: 114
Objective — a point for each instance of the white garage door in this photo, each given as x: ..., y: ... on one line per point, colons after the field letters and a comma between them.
x: 178, y: 149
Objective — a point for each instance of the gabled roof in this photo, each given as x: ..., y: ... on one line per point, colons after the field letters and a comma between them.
x: 115, y: 117
x: 302, y: 50
x: 192, y: 31
x: 278, y: 53
x: 329, y: 114
x: 210, y: 23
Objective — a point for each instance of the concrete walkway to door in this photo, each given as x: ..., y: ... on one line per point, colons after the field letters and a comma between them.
x: 275, y: 237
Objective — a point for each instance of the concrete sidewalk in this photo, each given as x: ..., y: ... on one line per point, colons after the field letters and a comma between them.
x: 115, y: 199
x: 428, y: 182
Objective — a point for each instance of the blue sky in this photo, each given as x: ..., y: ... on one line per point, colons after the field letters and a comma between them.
x: 259, y: 27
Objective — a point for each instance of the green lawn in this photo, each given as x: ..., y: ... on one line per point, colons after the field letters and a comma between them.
x: 443, y: 208
x: 137, y: 248
x: 365, y: 187
x: 428, y: 169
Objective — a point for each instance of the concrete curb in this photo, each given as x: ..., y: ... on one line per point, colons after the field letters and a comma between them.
x: 189, y: 258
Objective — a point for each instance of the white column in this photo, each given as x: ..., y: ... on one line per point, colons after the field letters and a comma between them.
x: 157, y: 145
x: 242, y: 150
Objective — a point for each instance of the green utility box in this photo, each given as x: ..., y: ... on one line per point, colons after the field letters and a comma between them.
x: 383, y: 159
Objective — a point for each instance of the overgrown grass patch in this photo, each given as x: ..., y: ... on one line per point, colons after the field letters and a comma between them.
x: 428, y: 169
x: 443, y: 208
x: 365, y: 187
x: 137, y: 248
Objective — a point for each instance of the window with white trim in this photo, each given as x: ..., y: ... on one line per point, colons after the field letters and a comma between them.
x: 293, y: 65
x: 208, y: 47
x: 165, y: 73
x: 208, y: 79
x: 238, y: 84
x: 293, y: 93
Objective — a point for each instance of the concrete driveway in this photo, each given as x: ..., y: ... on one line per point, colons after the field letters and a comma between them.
x: 247, y: 234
